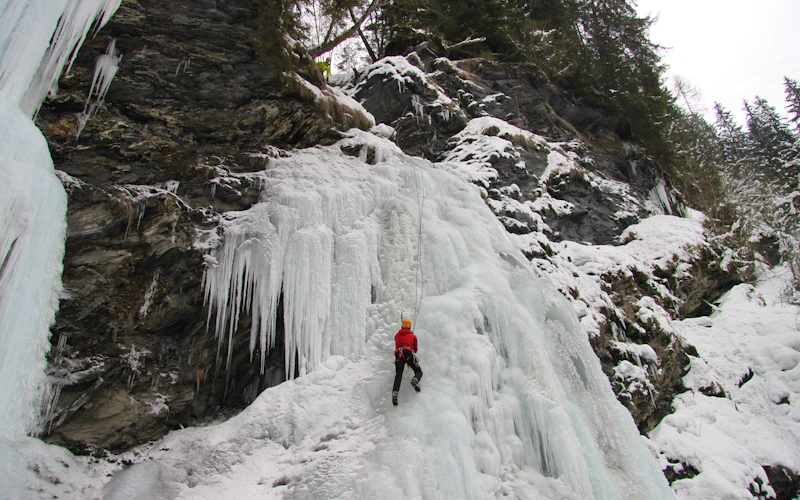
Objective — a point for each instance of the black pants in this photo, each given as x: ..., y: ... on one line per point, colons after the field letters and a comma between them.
x: 403, y: 358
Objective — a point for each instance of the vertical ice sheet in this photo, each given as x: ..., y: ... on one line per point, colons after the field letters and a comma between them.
x: 354, y: 267
x: 307, y: 296
x: 32, y: 228
x: 515, y: 397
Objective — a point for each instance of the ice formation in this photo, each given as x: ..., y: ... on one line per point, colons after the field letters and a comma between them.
x: 515, y: 398
x: 32, y: 228
x: 105, y: 70
x: 37, y: 38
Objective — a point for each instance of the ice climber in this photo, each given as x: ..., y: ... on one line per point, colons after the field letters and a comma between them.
x: 325, y: 67
x: 405, y: 353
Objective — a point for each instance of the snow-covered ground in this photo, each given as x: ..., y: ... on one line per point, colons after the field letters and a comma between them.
x: 747, y: 363
x: 749, y: 354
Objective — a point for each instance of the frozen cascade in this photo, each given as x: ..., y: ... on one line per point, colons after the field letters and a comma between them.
x: 32, y: 227
x: 37, y: 38
x: 269, y: 250
x: 515, y: 401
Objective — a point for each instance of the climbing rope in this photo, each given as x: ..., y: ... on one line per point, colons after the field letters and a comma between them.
x: 419, y: 283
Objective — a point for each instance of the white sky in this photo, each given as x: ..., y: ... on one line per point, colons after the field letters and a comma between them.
x: 730, y: 49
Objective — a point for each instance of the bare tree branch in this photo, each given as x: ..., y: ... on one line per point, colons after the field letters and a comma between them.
x: 372, y: 56
x: 468, y: 41
x: 348, y: 33
x: 328, y: 34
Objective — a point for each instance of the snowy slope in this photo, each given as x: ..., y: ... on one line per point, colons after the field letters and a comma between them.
x: 749, y: 358
x: 737, y: 416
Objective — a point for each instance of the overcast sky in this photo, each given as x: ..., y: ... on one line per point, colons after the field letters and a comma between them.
x: 730, y: 49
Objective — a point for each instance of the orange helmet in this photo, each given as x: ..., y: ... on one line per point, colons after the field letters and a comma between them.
x: 406, y: 323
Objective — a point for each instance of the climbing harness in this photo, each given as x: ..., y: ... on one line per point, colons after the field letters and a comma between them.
x: 409, y: 349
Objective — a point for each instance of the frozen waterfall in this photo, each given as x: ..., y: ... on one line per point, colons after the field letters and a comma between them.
x: 514, y: 397
x: 37, y: 38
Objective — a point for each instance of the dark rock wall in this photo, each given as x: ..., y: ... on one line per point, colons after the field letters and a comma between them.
x: 521, y: 95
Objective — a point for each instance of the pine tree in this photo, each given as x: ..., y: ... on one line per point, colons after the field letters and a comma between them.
x: 733, y: 139
x: 793, y: 98
x: 790, y: 206
x: 775, y: 152
x: 699, y: 155
x: 772, y: 144
x: 598, y: 49
x: 409, y: 22
x: 615, y: 65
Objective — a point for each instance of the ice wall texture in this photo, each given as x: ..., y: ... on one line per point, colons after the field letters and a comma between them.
x: 515, y: 398
x: 32, y: 227
x: 37, y: 38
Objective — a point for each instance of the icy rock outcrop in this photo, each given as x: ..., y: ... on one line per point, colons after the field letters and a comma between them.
x: 430, y: 100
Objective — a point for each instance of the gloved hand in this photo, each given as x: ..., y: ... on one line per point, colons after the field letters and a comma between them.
x: 416, y: 359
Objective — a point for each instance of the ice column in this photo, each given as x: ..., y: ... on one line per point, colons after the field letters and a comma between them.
x: 32, y: 227
x: 310, y: 242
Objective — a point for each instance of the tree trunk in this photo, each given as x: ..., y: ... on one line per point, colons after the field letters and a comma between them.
x: 348, y: 33
x: 372, y: 55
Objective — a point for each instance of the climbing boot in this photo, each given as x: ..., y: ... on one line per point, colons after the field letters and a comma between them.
x: 394, y: 398
x: 415, y: 383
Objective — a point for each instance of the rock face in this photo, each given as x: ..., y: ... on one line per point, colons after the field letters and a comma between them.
x: 194, y: 112
x: 440, y: 97
x: 192, y: 117
x: 785, y: 482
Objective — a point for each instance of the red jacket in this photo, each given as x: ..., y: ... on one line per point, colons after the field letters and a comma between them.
x: 405, y: 339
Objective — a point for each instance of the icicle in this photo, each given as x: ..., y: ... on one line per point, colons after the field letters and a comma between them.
x: 308, y: 244
x: 307, y: 296
x: 104, y: 71
x: 148, y: 296
x: 38, y: 38
x: 419, y: 109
